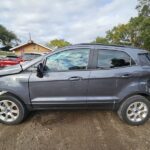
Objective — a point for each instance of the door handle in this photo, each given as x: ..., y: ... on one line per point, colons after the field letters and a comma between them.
x: 75, y: 78
x: 127, y: 75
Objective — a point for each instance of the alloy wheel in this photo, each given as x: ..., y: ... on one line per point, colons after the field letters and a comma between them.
x: 9, y: 111
x: 137, y: 111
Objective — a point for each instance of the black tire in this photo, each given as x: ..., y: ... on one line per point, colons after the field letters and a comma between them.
x: 122, y: 111
x: 22, y: 111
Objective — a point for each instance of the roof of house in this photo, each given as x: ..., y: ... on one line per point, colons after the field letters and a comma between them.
x: 30, y: 42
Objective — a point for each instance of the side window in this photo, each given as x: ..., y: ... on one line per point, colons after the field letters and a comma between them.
x: 144, y: 59
x: 68, y: 60
x: 112, y: 59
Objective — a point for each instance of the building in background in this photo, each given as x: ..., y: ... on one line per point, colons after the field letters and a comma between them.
x: 30, y: 47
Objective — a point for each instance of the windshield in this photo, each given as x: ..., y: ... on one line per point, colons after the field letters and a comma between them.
x: 30, y: 56
x: 27, y: 64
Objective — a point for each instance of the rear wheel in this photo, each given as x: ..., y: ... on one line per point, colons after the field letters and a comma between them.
x: 135, y: 110
x: 12, y: 111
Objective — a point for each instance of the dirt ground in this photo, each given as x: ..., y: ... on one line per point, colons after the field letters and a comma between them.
x: 74, y: 130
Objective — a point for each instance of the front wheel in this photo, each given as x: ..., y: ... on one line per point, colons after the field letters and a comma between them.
x: 12, y: 111
x: 135, y: 110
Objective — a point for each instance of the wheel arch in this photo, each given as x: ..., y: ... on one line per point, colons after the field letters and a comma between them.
x: 3, y: 93
x: 146, y: 95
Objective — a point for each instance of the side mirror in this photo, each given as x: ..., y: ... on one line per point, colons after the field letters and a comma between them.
x: 40, y: 70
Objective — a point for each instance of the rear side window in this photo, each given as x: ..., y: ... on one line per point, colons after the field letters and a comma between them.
x: 144, y: 59
x: 113, y: 59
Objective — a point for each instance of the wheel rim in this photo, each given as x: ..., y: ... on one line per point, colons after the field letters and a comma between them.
x: 9, y: 111
x: 137, y: 111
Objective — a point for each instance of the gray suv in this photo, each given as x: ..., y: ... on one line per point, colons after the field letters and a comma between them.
x: 79, y: 76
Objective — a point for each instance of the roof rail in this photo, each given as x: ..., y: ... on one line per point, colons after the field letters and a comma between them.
x: 105, y: 45
x: 100, y: 44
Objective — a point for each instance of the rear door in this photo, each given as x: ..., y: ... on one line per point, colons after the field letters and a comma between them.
x: 108, y: 77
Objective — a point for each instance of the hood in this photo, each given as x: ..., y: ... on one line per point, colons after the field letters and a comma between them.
x: 10, y: 70
x: 20, y: 67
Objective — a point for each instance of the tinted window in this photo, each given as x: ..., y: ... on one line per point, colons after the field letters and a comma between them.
x: 112, y: 59
x: 68, y: 60
x: 144, y: 59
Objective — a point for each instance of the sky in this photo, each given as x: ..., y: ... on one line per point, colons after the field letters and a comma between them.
x: 77, y: 21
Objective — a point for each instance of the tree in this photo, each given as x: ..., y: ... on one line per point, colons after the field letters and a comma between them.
x: 58, y: 43
x: 119, y: 35
x: 101, y: 40
x: 143, y: 8
x: 144, y: 23
x: 136, y: 32
x: 145, y: 33
x: 7, y: 38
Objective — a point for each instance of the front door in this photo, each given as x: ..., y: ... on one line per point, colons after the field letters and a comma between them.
x: 65, y: 80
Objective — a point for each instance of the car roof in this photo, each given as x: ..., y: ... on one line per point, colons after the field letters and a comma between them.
x: 124, y: 48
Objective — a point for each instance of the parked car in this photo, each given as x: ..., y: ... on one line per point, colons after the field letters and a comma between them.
x: 9, y: 61
x: 79, y: 76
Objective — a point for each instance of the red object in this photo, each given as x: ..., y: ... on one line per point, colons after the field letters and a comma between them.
x: 9, y: 61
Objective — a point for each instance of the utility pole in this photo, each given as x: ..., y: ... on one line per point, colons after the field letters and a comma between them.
x: 30, y: 39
